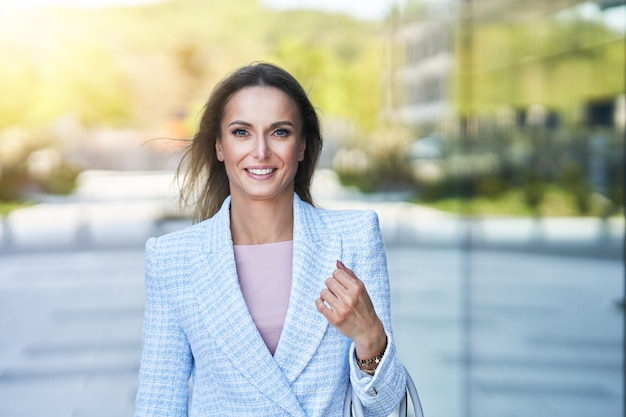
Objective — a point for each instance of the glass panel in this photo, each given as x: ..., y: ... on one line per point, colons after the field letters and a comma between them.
x: 517, y: 116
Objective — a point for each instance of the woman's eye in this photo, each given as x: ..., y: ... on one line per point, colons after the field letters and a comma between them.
x: 281, y: 133
x: 240, y: 132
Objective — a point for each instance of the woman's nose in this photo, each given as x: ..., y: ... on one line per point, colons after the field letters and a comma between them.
x: 261, y: 148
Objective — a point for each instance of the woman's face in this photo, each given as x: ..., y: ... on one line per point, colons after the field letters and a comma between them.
x: 261, y: 143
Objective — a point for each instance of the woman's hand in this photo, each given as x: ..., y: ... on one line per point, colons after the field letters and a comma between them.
x: 347, y: 306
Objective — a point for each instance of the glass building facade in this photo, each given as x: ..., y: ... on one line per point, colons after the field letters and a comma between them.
x: 506, y: 96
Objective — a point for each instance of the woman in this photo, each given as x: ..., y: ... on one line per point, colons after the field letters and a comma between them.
x: 253, y: 302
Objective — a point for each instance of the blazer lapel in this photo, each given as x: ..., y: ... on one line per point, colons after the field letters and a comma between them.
x: 314, y: 254
x: 226, y: 317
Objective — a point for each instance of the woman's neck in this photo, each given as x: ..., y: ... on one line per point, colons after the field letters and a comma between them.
x: 256, y: 222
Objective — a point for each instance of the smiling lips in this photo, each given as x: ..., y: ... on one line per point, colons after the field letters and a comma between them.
x: 260, y: 171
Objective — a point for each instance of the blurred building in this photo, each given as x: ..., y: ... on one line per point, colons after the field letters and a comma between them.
x: 423, y: 64
x: 538, y: 85
x: 430, y: 38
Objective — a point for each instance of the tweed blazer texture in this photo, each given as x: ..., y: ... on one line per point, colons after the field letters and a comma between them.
x: 203, y: 355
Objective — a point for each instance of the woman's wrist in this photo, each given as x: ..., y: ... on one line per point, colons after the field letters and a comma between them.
x: 368, y: 364
x: 370, y: 344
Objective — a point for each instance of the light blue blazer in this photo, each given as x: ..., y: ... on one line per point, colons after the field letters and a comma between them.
x: 197, y: 325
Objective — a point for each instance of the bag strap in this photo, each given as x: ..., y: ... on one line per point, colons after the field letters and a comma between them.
x: 415, y: 399
x: 352, y: 406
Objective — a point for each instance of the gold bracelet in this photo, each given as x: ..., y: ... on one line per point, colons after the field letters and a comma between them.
x: 366, y: 364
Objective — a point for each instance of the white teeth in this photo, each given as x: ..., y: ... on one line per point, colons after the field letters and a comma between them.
x: 263, y: 171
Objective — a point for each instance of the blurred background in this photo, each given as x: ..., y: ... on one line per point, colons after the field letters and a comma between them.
x: 487, y: 134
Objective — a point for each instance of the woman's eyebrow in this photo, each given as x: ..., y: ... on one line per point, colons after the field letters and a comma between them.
x: 239, y: 122
x: 281, y: 123
x: 273, y: 125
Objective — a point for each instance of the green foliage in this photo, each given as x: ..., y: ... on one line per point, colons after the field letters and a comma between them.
x: 50, y: 76
x: 62, y: 180
x: 382, y: 165
x: 339, y: 82
x: 31, y: 160
x: 534, y: 190
x: 432, y: 191
x: 8, y: 206
x: 133, y: 65
x: 555, y: 201
x: 365, y: 182
x: 573, y: 180
x: 18, y: 83
x: 553, y: 61
x: 12, y: 179
x: 490, y: 187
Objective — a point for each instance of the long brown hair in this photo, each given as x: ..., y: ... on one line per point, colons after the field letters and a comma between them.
x: 205, y: 183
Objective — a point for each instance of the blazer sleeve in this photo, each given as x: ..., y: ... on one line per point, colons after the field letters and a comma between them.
x: 166, y: 360
x: 380, y: 393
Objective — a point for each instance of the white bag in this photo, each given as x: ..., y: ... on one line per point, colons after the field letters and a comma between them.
x: 352, y: 406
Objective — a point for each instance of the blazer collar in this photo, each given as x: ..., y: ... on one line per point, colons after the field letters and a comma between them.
x: 315, y: 250
x: 226, y: 317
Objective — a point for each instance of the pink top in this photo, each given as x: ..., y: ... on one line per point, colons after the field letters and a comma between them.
x: 265, y: 278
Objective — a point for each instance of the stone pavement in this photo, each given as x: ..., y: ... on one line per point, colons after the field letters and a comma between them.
x: 535, y: 335
x: 497, y: 334
x: 71, y: 332
x: 533, y: 330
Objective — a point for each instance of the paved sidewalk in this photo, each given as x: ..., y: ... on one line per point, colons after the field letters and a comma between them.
x: 71, y: 333
x: 499, y: 334
x: 534, y: 336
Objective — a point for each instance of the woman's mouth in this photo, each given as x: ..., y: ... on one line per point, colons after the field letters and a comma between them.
x: 260, y: 171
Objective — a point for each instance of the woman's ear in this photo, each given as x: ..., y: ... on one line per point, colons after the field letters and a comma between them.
x: 219, y: 151
x: 301, y: 150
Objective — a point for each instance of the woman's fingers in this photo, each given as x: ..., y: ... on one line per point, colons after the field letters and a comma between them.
x: 344, y: 301
x: 343, y: 281
x: 344, y: 274
x: 341, y: 295
x: 324, y: 308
